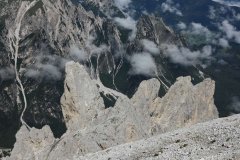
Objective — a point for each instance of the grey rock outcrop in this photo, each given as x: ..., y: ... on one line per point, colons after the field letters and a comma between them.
x: 48, y: 33
x: 154, y: 29
x: 217, y: 139
x: 81, y: 101
x: 185, y: 104
x: 92, y: 128
x: 31, y: 142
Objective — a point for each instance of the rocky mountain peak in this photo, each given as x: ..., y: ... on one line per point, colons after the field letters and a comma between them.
x: 40, y: 86
x: 91, y: 127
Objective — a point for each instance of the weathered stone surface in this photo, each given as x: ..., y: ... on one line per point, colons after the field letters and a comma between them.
x: 185, y: 104
x: 93, y: 128
x: 81, y: 100
x: 154, y: 29
x: 4, y: 152
x: 43, y: 34
x: 31, y: 142
x: 217, y: 139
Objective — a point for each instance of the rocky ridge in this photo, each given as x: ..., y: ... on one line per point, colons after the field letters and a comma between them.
x: 217, y: 139
x: 91, y: 127
x: 38, y: 37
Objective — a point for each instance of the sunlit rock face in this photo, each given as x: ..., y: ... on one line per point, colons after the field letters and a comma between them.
x: 38, y: 37
x: 205, y: 140
x: 92, y: 127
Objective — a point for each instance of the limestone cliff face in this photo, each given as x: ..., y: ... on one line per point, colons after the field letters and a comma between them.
x: 91, y: 127
x: 185, y: 104
x: 38, y: 37
x: 81, y: 101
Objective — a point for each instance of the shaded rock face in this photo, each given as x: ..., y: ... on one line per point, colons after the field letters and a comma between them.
x: 154, y: 29
x: 92, y: 128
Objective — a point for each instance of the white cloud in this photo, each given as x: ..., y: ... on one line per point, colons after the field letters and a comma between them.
x: 46, y: 68
x: 230, y: 31
x: 122, y: 4
x: 44, y: 72
x: 181, y: 25
x: 223, y: 42
x: 237, y: 16
x: 6, y: 73
x: 150, y: 46
x: 128, y: 23
x: 186, y: 57
x: 230, y: 3
x: 100, y: 49
x: 142, y: 64
x: 169, y: 6
x: 198, y: 34
x: 212, y: 12
x: 199, y: 29
x: 78, y: 54
x: 93, y: 49
x: 222, y: 62
x: 235, y: 105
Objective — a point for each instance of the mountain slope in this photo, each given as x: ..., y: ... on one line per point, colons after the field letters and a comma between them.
x: 38, y: 37
x: 91, y: 127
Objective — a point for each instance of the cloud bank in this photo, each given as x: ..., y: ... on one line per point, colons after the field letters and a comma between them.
x: 150, y: 46
x: 127, y: 23
x: 142, y: 64
x: 93, y: 49
x: 197, y: 28
x: 169, y: 6
x: 46, y: 68
x: 122, y: 4
x: 7, y: 73
x: 223, y: 42
x: 186, y: 57
x: 78, y: 54
x: 230, y: 3
x: 235, y: 105
x: 181, y: 26
x: 230, y: 31
x: 44, y: 72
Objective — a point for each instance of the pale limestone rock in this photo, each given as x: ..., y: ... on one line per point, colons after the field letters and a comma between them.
x: 146, y: 93
x: 29, y: 143
x: 217, y: 139
x: 143, y: 103
x: 185, y: 104
x: 81, y: 100
x: 93, y: 128
x: 118, y: 125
